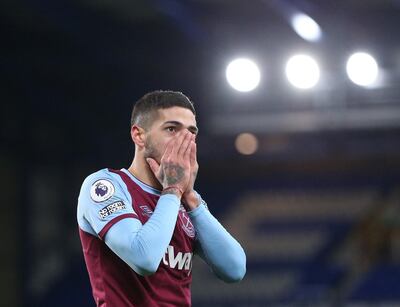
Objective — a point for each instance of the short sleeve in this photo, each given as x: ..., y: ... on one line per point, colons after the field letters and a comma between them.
x: 102, y: 202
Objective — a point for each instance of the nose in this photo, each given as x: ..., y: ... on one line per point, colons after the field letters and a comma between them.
x: 184, y: 132
x: 193, y: 134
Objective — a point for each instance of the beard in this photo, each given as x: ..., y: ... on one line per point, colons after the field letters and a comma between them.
x: 151, y: 151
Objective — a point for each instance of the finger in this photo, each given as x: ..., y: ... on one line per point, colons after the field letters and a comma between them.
x: 154, y: 166
x: 185, y: 143
x: 187, y: 153
x: 168, y: 150
x: 193, y: 154
x: 177, y: 143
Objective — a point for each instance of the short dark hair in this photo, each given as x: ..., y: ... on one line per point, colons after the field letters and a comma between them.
x: 146, y: 107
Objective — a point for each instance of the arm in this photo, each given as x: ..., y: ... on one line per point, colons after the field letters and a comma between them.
x: 140, y: 246
x: 217, y: 247
x: 214, y: 244
x: 143, y: 246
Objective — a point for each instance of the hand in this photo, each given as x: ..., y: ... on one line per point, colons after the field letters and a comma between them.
x: 174, y: 168
x: 190, y: 198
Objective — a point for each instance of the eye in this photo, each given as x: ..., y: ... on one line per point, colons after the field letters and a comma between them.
x: 171, y: 129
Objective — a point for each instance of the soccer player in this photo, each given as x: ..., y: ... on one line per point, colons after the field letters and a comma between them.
x: 141, y: 226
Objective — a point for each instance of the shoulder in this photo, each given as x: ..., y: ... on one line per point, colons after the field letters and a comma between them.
x: 98, y: 175
x: 102, y: 185
x: 98, y: 178
x: 103, y: 197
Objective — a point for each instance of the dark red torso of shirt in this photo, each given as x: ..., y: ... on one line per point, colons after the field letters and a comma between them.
x: 115, y: 284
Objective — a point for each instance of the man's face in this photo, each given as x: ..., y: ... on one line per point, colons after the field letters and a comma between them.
x: 169, y: 124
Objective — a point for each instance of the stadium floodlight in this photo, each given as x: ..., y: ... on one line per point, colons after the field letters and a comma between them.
x: 243, y: 75
x: 306, y: 27
x: 362, y: 69
x: 302, y: 71
x: 246, y: 143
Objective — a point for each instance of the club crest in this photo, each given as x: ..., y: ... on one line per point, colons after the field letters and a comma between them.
x: 186, y: 223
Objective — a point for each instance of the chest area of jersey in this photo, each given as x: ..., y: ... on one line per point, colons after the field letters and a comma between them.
x: 144, y: 205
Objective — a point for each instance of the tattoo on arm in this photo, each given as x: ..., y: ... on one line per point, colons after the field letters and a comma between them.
x: 173, y: 174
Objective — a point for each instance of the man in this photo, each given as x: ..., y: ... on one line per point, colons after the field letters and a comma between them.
x: 139, y: 227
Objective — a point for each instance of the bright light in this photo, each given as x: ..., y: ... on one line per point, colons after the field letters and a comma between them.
x: 246, y: 143
x: 302, y: 71
x: 306, y: 27
x: 362, y: 69
x: 243, y: 75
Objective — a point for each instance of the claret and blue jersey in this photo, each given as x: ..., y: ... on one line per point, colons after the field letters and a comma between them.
x: 139, y: 245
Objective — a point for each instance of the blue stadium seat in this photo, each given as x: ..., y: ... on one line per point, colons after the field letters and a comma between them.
x: 381, y: 284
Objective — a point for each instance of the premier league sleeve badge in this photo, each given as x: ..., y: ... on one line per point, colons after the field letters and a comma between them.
x: 101, y: 190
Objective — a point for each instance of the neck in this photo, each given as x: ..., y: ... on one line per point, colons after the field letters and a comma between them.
x: 141, y: 170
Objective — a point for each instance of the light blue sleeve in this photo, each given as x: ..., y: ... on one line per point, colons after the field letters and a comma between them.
x: 217, y: 247
x: 143, y: 246
x: 102, y: 201
x: 105, y: 210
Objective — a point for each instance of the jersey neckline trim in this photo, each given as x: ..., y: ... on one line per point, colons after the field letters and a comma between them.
x: 140, y: 183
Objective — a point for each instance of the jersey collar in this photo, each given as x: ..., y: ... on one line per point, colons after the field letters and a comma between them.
x: 140, y: 183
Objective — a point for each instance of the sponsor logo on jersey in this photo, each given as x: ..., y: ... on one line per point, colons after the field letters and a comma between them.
x: 101, y: 190
x: 112, y: 208
x: 146, y: 210
x: 186, y: 223
x: 180, y: 261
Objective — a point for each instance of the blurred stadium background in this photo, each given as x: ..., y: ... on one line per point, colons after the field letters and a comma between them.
x: 312, y: 190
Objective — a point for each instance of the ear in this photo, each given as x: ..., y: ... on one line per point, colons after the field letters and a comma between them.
x: 138, y: 135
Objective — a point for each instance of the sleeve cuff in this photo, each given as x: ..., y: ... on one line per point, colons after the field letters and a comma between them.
x: 171, y: 197
x: 196, y: 212
x: 105, y: 229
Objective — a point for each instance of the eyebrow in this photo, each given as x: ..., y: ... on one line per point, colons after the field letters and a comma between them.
x: 193, y: 129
